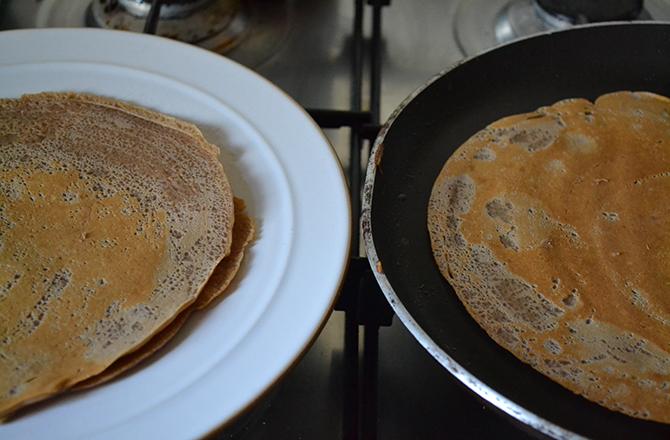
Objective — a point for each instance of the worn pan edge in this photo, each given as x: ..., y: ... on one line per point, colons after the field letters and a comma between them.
x: 472, y: 382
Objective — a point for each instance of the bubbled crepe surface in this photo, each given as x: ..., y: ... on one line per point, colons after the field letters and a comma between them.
x: 553, y: 227
x: 112, y: 220
x: 215, y: 289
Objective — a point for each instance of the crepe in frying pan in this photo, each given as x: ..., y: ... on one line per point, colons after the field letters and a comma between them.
x: 553, y: 227
x: 223, y: 275
x: 111, y: 222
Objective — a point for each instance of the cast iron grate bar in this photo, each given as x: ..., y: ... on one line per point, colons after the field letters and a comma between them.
x: 351, y: 400
x: 360, y: 286
x: 356, y: 143
x: 376, y: 59
x: 339, y: 118
x: 151, y: 23
x: 384, y: 314
x: 357, y: 120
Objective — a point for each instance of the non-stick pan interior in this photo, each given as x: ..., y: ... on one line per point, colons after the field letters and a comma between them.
x: 583, y: 62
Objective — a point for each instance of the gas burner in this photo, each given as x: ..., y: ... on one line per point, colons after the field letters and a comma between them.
x: 248, y: 31
x: 482, y: 24
x: 216, y: 25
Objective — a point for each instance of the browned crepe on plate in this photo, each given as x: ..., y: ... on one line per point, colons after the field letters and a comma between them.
x: 112, y: 219
x: 553, y: 227
x: 223, y: 275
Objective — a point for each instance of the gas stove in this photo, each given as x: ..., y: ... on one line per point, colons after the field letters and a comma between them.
x: 350, y: 63
x: 248, y: 31
x: 216, y: 25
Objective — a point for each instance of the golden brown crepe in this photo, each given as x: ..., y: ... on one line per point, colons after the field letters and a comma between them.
x: 243, y: 232
x: 217, y: 285
x: 553, y: 227
x: 112, y: 219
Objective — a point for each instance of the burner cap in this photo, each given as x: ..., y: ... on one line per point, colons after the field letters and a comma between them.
x: 483, y: 24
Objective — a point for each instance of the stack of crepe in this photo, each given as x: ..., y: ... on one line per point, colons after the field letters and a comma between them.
x: 553, y: 227
x: 116, y: 223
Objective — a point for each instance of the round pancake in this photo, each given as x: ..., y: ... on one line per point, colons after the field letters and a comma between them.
x: 112, y: 219
x: 243, y: 234
x: 553, y: 227
x: 217, y: 285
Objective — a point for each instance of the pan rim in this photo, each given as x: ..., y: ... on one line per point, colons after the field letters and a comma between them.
x: 476, y: 385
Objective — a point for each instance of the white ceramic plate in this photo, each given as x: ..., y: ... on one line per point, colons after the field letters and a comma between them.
x: 276, y: 159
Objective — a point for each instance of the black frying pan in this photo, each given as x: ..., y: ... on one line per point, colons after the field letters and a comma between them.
x: 407, y: 157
